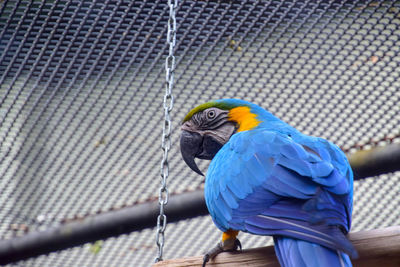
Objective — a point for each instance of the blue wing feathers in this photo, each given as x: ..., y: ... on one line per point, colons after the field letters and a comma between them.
x: 321, y: 169
x: 260, y: 137
x: 256, y: 170
x: 300, y: 186
x: 240, y: 191
x: 277, y: 186
x: 288, y: 177
x: 234, y: 164
x: 341, y: 187
x: 221, y: 213
x: 300, y: 166
x: 230, y: 199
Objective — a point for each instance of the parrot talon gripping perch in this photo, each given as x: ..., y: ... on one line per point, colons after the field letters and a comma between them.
x: 221, y: 247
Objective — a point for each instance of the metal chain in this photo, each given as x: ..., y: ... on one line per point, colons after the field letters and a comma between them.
x: 166, y: 135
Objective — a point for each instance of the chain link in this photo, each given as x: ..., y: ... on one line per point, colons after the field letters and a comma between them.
x: 166, y: 135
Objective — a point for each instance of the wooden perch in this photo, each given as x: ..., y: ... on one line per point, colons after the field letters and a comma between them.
x: 380, y: 247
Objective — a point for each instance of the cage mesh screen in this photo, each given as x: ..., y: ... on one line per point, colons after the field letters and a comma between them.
x: 81, y: 91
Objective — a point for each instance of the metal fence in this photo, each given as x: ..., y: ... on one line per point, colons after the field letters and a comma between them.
x: 81, y: 105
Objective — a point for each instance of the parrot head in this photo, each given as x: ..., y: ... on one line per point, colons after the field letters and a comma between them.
x: 207, y: 127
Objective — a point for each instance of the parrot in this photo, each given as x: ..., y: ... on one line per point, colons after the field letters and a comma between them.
x: 267, y: 178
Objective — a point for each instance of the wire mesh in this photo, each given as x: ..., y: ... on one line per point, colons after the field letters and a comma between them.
x: 81, y: 91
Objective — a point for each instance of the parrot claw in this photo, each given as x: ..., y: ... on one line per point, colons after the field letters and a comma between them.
x: 212, y: 253
x: 220, y: 247
x: 238, y: 245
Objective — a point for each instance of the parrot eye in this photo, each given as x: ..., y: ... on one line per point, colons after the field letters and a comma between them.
x: 211, y: 114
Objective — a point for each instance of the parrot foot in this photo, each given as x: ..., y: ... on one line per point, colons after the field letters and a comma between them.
x: 227, y: 245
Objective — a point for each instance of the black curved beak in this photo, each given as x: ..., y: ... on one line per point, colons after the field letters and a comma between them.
x: 191, y: 145
x: 194, y: 145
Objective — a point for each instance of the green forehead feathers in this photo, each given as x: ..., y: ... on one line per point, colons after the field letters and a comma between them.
x: 216, y: 104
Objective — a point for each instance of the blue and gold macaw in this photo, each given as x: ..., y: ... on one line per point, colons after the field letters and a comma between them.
x: 267, y: 178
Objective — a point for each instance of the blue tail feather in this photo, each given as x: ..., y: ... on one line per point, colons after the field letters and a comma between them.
x: 298, y: 253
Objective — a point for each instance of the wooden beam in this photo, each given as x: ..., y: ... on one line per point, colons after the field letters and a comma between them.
x: 379, y: 247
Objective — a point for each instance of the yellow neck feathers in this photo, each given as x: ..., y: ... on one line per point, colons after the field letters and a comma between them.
x: 245, y: 119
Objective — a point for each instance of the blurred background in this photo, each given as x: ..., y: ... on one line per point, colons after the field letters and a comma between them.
x: 81, y: 106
